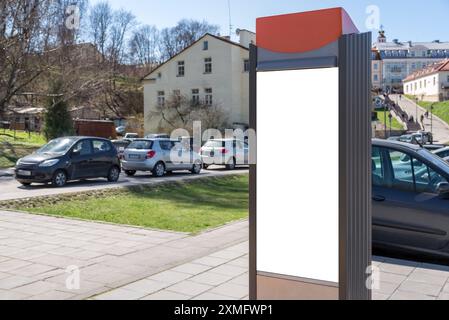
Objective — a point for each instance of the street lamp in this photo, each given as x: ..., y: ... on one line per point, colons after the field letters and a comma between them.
x: 385, y: 121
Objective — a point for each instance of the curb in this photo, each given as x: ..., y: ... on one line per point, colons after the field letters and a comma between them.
x: 7, y: 172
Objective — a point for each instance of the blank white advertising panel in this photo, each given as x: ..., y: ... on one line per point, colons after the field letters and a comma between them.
x: 298, y: 173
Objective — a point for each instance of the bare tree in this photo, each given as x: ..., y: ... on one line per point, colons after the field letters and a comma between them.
x: 100, y: 19
x: 143, y: 45
x: 179, y: 111
x: 186, y: 32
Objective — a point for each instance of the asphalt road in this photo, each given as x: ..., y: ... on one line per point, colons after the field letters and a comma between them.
x: 11, y: 189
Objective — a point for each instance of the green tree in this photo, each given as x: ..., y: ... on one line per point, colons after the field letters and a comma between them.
x: 58, y: 121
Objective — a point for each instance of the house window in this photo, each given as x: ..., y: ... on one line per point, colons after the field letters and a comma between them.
x: 434, y: 81
x: 376, y: 77
x: 208, y: 65
x: 209, y: 98
x: 447, y: 78
x: 206, y: 45
x: 181, y: 69
x: 195, y: 97
x: 246, y: 65
x: 376, y: 66
x: 161, y: 98
x: 159, y: 75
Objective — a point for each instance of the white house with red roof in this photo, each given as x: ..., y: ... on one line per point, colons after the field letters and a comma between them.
x: 430, y: 83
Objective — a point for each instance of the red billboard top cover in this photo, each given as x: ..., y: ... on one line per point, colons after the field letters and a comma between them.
x: 302, y: 32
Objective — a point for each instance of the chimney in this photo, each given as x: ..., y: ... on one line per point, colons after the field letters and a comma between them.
x: 227, y: 37
x: 246, y: 37
x: 436, y: 41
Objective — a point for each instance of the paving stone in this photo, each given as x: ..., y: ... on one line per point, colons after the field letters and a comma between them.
x: 209, y: 296
x: 227, y: 254
x: 170, y: 277
x: 11, y: 295
x: 227, y: 269
x: 36, y: 288
x: 15, y: 281
x: 192, y: 268
x: 146, y: 286
x: 167, y: 295
x: 211, y: 278
x: 392, y: 278
x: 402, y: 295
x: 33, y: 270
x: 189, y: 288
x: 210, y: 261
x: 421, y: 288
x: 242, y: 280
x: 120, y: 294
x: 12, y: 264
x: 380, y: 296
x: 401, y: 269
x: 52, y: 296
x: 428, y: 278
x: 231, y: 290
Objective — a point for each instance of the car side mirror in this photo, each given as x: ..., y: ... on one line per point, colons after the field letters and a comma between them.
x: 75, y: 154
x: 443, y: 190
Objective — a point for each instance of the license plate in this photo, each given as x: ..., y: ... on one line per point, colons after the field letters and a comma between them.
x: 24, y: 173
x: 134, y: 156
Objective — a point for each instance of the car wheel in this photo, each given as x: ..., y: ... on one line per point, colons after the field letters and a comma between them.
x: 231, y: 164
x: 59, y: 179
x: 130, y: 173
x: 196, y: 168
x: 114, y: 174
x: 26, y: 184
x: 159, y: 170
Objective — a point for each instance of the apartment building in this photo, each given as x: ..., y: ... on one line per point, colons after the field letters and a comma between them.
x: 214, y: 70
x: 397, y: 60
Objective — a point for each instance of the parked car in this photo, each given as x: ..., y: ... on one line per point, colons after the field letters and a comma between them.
x: 410, y: 199
x: 158, y: 136
x: 131, y: 136
x: 442, y: 153
x: 69, y: 158
x: 121, y: 145
x: 159, y: 156
x: 120, y: 130
x: 227, y: 152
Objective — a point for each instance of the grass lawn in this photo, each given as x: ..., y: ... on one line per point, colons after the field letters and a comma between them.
x: 395, y: 125
x: 440, y: 109
x: 12, y: 149
x: 191, y: 206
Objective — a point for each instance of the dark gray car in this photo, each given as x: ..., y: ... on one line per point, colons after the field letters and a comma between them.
x: 410, y: 198
x: 69, y: 158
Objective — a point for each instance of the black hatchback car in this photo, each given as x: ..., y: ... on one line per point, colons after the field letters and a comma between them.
x: 69, y: 158
x: 410, y: 199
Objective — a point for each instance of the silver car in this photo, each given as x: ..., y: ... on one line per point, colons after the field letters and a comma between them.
x: 159, y: 156
x: 226, y: 152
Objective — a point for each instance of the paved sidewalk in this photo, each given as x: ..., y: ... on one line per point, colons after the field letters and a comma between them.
x: 222, y: 275
x: 440, y: 128
x: 35, y: 252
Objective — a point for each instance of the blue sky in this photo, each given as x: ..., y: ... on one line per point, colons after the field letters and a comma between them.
x: 402, y: 19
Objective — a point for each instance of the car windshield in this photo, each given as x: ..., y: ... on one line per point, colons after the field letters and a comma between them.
x: 433, y: 158
x: 57, y: 146
x: 141, y: 145
x: 214, y: 144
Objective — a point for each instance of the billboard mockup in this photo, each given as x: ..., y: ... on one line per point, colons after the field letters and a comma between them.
x: 310, y: 191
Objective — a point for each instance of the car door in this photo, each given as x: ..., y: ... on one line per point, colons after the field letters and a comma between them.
x: 166, y: 149
x: 407, y: 211
x: 81, y: 159
x: 101, y: 160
